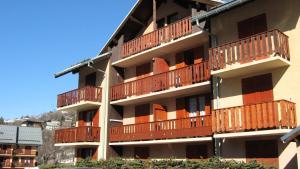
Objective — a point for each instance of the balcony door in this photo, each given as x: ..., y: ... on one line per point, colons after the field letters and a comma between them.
x: 142, y: 113
x: 252, y: 26
x: 257, y: 89
x: 190, y: 57
x: 264, y: 152
x: 88, y: 118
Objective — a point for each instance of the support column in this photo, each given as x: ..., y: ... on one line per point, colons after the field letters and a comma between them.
x: 154, y: 15
x: 298, y: 152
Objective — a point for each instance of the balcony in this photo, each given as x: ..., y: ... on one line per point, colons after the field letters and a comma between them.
x: 22, y: 164
x: 169, y: 129
x: 263, y: 116
x: 175, y: 37
x: 5, y: 164
x: 178, y: 82
x: 24, y: 152
x: 260, y: 52
x: 6, y: 152
x: 77, y: 136
x: 80, y: 99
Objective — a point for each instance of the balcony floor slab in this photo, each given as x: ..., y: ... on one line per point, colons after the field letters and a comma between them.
x: 174, y: 92
x: 81, y: 106
x: 77, y: 144
x: 180, y: 44
x: 273, y: 132
x: 238, y: 69
x: 167, y: 141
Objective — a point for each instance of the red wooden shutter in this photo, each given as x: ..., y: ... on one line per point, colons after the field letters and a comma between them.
x: 159, y: 112
x: 95, y: 154
x: 142, y: 113
x: 160, y: 65
x: 81, y: 119
x: 96, y: 118
x: 257, y: 89
x: 252, y: 26
x: 207, y: 104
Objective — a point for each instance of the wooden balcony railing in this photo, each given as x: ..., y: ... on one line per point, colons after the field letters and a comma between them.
x: 78, y: 134
x: 246, y: 50
x: 7, y: 151
x: 172, y: 79
x: 88, y: 93
x: 163, y: 35
x: 22, y: 164
x: 5, y: 164
x: 24, y: 152
x: 267, y: 115
x: 169, y: 129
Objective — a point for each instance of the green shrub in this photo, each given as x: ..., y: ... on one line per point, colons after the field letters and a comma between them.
x: 118, y: 163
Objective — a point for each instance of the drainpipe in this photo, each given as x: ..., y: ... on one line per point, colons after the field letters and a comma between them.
x: 215, y: 80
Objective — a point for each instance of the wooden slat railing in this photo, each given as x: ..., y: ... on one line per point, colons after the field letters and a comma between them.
x: 7, y: 163
x: 163, y: 35
x: 88, y: 93
x: 77, y: 134
x: 7, y: 151
x: 23, y: 164
x: 169, y: 129
x: 175, y: 78
x: 245, y: 50
x: 23, y: 151
x: 267, y: 115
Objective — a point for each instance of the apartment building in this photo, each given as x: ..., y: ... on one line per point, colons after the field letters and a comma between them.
x: 18, y: 146
x: 190, y: 79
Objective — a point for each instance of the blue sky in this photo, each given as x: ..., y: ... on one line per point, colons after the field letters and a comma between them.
x: 41, y: 37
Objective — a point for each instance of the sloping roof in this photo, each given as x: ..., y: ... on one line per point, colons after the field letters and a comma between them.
x: 30, y: 136
x: 20, y: 135
x: 133, y: 9
x: 219, y: 9
x: 8, y: 134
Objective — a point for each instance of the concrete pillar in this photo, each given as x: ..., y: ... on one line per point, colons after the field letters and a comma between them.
x: 298, y: 152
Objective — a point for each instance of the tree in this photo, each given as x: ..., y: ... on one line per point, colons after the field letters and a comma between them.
x: 2, y: 120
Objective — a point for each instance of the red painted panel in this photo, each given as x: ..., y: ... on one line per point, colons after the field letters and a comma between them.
x: 257, y: 89
x: 160, y: 65
x: 160, y: 112
x: 96, y: 118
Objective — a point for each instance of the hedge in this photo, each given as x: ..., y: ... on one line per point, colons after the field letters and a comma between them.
x: 211, y: 163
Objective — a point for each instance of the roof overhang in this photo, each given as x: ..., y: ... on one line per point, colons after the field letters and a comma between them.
x: 288, y: 137
x: 83, y: 63
x: 135, y: 7
x: 219, y: 9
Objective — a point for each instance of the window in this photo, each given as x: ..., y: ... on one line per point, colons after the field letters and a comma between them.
x: 160, y: 23
x: 141, y: 152
x: 172, y: 18
x: 188, y: 57
x: 143, y: 70
x: 196, y: 151
x: 263, y: 151
x: 90, y: 80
